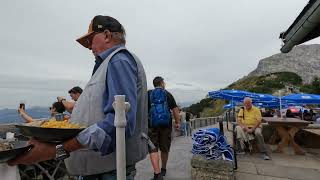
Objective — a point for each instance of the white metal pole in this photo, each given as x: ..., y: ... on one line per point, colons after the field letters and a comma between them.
x: 120, y: 122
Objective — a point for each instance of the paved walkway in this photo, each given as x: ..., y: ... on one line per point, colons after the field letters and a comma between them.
x: 285, y: 166
x: 178, y: 167
x: 281, y: 167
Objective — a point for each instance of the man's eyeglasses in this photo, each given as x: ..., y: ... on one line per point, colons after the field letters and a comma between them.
x: 90, y: 38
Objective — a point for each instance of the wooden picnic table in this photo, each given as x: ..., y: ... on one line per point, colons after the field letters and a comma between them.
x: 287, y: 129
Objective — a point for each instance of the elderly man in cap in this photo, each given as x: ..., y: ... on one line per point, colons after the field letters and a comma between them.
x: 75, y: 93
x: 249, y: 120
x: 91, y: 154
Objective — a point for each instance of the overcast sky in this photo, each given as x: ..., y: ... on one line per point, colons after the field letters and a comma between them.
x: 197, y: 46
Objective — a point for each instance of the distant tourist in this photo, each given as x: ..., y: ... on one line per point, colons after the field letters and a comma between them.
x: 160, y: 103
x: 75, y: 93
x: 188, y: 117
x: 56, y: 108
x: 249, y: 121
x: 183, y: 123
x: 289, y: 114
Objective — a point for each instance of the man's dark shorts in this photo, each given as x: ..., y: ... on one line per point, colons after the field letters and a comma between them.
x: 161, y: 138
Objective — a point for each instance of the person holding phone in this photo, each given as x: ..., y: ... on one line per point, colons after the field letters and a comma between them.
x: 57, y: 107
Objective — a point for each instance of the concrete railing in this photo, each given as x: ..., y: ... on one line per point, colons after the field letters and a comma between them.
x: 203, y: 122
x: 208, y: 121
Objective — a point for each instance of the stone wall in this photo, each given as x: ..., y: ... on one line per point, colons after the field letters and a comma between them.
x: 204, y: 169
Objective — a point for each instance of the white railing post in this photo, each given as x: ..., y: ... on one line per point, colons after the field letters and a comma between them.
x: 120, y: 122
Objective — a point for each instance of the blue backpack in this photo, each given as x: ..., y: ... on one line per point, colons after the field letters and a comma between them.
x: 159, y: 113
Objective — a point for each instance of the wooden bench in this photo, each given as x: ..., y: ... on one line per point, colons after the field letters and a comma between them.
x: 313, y: 131
x: 310, y: 137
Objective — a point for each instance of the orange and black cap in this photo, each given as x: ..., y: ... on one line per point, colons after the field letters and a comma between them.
x: 99, y: 24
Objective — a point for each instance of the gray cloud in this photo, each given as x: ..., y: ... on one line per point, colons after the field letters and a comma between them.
x: 207, y: 43
x: 184, y: 84
x: 35, y: 92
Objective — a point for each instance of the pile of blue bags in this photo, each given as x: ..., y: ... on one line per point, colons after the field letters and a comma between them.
x: 212, y: 145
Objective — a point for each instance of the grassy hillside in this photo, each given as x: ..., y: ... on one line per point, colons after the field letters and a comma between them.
x: 215, y: 111
x: 313, y: 88
x: 268, y: 84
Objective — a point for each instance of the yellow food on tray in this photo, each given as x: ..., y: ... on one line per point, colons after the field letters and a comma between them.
x: 52, y: 123
x: 5, y: 146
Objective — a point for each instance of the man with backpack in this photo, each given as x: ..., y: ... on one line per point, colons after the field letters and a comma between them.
x: 160, y: 105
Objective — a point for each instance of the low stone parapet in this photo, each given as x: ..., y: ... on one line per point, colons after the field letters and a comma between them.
x: 204, y: 169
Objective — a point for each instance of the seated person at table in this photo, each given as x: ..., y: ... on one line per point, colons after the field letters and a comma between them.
x: 289, y: 114
x: 267, y: 113
x: 56, y: 108
x: 248, y: 128
x: 307, y: 116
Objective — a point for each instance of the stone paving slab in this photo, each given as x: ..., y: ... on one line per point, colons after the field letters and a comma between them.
x: 283, y: 166
x: 178, y: 167
x: 246, y: 176
x: 247, y: 167
x: 255, y: 158
x: 306, y: 161
x: 288, y: 172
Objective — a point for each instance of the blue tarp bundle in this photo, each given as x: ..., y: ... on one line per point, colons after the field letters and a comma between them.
x: 210, y: 144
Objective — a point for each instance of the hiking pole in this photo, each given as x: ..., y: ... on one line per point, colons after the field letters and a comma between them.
x: 120, y: 122
x: 234, y: 137
x: 150, y: 144
x: 220, y: 120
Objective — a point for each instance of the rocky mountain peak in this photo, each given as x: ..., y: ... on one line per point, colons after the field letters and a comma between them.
x: 303, y: 60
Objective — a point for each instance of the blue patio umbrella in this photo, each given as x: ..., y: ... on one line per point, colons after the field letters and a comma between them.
x: 302, y: 98
x: 231, y: 95
x: 265, y: 98
x: 238, y: 95
x: 270, y: 105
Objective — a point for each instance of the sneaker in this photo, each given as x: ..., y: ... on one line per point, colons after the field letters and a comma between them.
x: 163, y: 171
x: 266, y: 156
x: 157, y: 177
x: 238, y: 148
x: 240, y: 152
x: 247, y: 147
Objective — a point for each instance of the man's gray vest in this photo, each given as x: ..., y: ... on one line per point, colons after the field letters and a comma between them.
x: 89, y: 109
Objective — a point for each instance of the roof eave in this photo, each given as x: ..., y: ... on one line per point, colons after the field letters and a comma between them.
x: 302, y: 29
